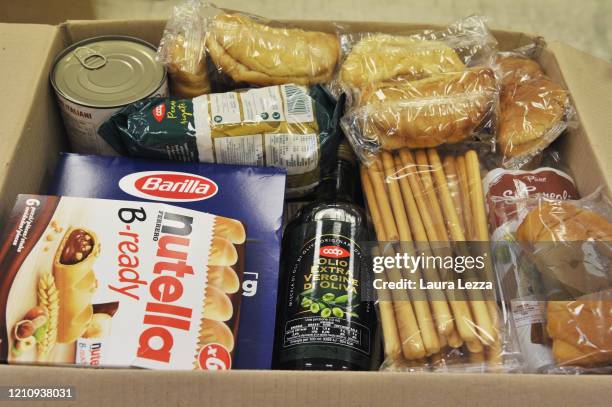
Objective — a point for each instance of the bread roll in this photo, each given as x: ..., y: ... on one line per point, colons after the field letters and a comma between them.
x: 255, y: 53
x: 380, y: 57
x: 563, y: 221
x: 224, y: 278
x: 230, y: 229
x: 187, y: 69
x: 212, y: 331
x: 517, y: 69
x: 443, y: 108
x: 75, y: 281
x: 217, y: 305
x: 222, y: 252
x: 581, y: 330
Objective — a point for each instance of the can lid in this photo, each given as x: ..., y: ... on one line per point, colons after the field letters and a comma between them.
x: 107, y: 72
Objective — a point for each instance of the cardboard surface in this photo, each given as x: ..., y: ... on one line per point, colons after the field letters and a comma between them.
x: 32, y: 134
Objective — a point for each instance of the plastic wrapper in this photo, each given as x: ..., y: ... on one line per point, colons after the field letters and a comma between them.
x: 432, y: 207
x: 563, y: 256
x: 377, y: 57
x: 182, y: 49
x: 534, y: 110
x: 288, y: 126
x: 252, y: 50
x: 443, y: 108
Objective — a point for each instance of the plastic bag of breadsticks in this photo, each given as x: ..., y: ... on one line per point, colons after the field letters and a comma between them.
x: 248, y: 49
x: 534, y: 109
x: 287, y: 126
x: 441, y: 109
x: 440, y: 305
x: 378, y: 57
x: 570, y: 244
x: 182, y: 50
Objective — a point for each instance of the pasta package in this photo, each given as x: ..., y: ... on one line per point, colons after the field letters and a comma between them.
x: 105, y: 283
x: 446, y: 312
x: 287, y: 126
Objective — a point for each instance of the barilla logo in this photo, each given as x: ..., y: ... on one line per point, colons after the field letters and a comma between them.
x: 168, y: 186
x: 333, y: 251
x: 159, y: 112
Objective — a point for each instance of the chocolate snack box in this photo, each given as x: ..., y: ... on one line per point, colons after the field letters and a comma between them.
x: 254, y: 196
x: 107, y: 283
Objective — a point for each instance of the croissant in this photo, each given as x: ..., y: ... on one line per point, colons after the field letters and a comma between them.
x: 248, y: 51
x: 76, y: 282
x: 442, y: 108
x: 531, y: 107
x: 382, y: 56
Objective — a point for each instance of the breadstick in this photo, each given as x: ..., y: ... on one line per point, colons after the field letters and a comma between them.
x: 460, y: 308
x: 392, y: 345
x: 395, y: 197
x: 378, y: 184
x: 454, y: 340
x: 465, y: 197
x: 474, y: 346
x: 450, y: 170
x: 430, y: 193
x: 368, y: 191
x: 479, y: 307
x: 441, y: 311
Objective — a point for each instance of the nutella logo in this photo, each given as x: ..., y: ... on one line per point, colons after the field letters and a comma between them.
x: 336, y: 252
x: 159, y: 112
x: 168, y: 186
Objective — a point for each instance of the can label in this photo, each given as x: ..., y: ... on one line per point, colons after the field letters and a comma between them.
x: 82, y: 123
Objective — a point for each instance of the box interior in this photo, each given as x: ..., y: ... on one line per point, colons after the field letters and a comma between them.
x: 27, y: 161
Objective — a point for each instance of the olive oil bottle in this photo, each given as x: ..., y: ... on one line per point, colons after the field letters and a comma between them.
x: 322, y: 324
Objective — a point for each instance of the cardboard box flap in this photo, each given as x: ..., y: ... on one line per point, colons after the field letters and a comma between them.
x: 589, y: 80
x: 26, y: 52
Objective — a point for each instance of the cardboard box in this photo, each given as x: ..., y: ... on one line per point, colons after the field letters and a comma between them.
x: 32, y: 135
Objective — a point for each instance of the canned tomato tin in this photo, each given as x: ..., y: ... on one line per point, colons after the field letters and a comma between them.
x: 96, y: 77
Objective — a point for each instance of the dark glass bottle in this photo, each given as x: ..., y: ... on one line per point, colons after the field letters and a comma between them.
x: 322, y: 324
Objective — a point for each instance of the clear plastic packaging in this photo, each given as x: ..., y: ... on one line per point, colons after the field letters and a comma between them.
x: 433, y: 207
x: 444, y: 108
x: 534, y: 110
x: 182, y: 49
x: 376, y: 57
x: 564, y: 260
x: 253, y: 50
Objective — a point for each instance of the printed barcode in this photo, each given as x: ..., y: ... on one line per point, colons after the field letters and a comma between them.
x: 297, y: 100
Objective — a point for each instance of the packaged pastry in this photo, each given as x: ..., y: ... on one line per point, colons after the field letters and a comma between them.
x: 182, y: 49
x: 534, y: 110
x: 251, y: 195
x: 288, y: 126
x: 377, y: 57
x: 251, y: 51
x: 443, y: 108
x: 569, y: 242
x: 107, y: 283
x: 505, y: 192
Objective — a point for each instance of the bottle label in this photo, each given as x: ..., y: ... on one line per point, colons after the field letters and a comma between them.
x: 323, y: 302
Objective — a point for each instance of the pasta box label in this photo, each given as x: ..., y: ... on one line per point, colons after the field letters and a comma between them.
x: 252, y: 195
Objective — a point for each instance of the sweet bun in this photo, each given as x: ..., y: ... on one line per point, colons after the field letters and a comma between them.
x: 580, y: 330
x: 212, y: 331
x: 217, y: 305
x: 187, y: 69
x: 517, y: 69
x: 563, y: 221
x: 222, y: 252
x: 224, y: 278
x: 231, y: 229
x: 457, y: 103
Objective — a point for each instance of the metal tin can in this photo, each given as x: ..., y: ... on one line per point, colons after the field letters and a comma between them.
x: 96, y: 77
